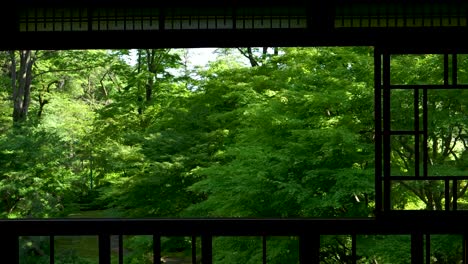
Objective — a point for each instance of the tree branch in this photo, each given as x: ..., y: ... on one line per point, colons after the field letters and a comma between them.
x: 415, y: 191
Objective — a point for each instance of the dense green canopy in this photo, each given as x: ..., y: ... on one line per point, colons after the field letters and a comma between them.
x: 258, y: 132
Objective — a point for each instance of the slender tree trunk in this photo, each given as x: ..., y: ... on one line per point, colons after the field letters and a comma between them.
x: 151, y: 60
x: 251, y: 57
x: 140, y: 98
x: 149, y: 89
x: 256, y: 60
x: 152, y: 68
x: 42, y: 103
x: 21, y: 83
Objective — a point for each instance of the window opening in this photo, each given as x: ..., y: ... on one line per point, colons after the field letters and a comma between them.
x: 420, y: 146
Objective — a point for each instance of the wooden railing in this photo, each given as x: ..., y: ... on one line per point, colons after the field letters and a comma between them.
x: 419, y: 225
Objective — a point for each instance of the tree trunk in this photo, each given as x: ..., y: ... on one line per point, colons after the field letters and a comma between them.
x: 250, y: 56
x: 21, y: 84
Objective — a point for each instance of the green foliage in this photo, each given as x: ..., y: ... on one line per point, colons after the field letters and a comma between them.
x: 36, y: 179
x: 248, y: 250
x: 291, y: 137
x: 139, y: 250
x: 446, y: 248
x: 237, y: 250
x: 44, y: 161
x: 376, y: 249
x: 6, y: 107
x: 295, y: 151
x: 446, y: 130
x: 36, y: 250
x: 5, y: 111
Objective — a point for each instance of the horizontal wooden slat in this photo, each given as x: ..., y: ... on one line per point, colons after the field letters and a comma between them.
x: 404, y: 222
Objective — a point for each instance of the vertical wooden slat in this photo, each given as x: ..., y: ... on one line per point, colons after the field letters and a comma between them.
x: 156, y: 248
x: 207, y: 249
x: 454, y: 194
x: 454, y: 69
x: 9, y: 249
x: 121, y: 252
x: 309, y: 249
x: 386, y: 131
x: 465, y: 248
x: 417, y: 248
x: 104, y: 249
x: 425, y: 134
x: 428, y: 249
x: 51, y: 249
x: 378, y: 129
x: 417, y: 136
x: 447, y: 194
x: 353, y: 249
x: 90, y: 19
x: 446, y: 69
x: 234, y: 18
x: 320, y: 15
x: 10, y: 19
x: 194, y: 250
x: 162, y: 19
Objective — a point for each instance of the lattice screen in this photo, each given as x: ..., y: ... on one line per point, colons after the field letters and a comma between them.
x: 79, y: 19
x: 400, y: 15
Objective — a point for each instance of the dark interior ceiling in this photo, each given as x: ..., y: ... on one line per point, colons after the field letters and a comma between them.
x: 85, y: 24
